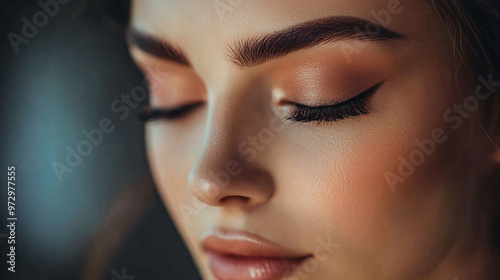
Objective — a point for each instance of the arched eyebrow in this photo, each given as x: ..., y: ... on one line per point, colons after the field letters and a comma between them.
x: 250, y: 52
x: 156, y: 47
x: 255, y: 51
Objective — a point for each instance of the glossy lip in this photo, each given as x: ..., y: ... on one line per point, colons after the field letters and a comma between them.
x: 241, y: 255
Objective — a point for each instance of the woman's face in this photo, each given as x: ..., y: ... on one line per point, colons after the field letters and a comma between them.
x: 317, y: 146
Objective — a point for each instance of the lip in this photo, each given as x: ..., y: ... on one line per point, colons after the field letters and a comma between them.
x: 244, y: 256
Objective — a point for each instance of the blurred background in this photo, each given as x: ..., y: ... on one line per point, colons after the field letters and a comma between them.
x: 85, y: 202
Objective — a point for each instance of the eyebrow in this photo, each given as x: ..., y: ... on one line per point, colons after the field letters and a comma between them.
x: 254, y: 51
x: 156, y: 47
x: 250, y: 52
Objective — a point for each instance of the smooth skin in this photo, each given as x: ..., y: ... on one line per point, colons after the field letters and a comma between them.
x: 297, y: 183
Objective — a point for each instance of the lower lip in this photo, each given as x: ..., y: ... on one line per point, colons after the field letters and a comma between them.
x: 226, y: 267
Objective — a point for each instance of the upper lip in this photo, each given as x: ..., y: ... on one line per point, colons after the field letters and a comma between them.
x: 244, y: 244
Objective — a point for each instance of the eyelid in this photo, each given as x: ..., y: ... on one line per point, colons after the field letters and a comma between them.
x: 352, y: 107
x: 343, y: 109
x: 149, y: 114
x: 360, y: 95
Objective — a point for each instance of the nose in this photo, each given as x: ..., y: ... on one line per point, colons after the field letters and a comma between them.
x: 223, y: 175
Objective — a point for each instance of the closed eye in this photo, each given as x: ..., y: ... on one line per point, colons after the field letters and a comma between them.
x: 357, y: 105
x: 150, y: 114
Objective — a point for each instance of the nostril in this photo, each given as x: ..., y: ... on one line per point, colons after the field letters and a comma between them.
x: 235, y: 198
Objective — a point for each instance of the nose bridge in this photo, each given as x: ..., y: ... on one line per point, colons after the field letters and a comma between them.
x: 222, y: 173
x: 229, y: 122
x: 238, y: 109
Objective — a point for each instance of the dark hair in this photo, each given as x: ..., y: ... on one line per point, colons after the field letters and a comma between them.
x: 473, y: 26
x: 474, y: 29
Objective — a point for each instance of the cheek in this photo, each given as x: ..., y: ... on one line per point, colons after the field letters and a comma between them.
x: 172, y: 150
x: 163, y: 153
x: 338, y: 175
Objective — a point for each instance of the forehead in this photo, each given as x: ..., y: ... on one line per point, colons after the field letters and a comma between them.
x: 203, y: 29
x: 220, y: 20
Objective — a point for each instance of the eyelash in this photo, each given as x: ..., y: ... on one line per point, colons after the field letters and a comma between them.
x: 301, y: 113
x: 353, y: 107
x: 149, y: 114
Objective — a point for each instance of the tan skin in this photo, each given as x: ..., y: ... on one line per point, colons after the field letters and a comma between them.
x: 317, y: 180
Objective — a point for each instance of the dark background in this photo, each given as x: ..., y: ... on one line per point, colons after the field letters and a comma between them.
x: 61, y: 81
